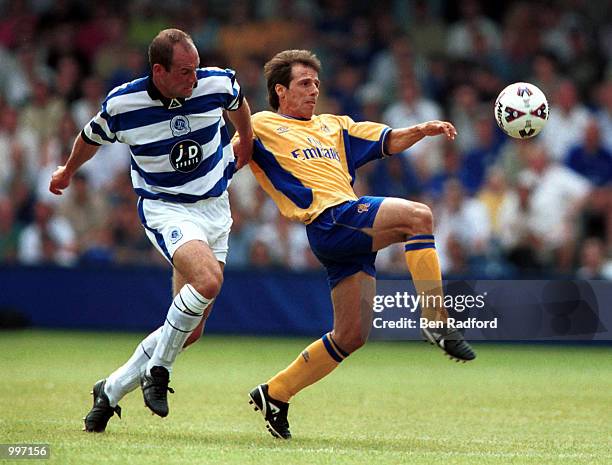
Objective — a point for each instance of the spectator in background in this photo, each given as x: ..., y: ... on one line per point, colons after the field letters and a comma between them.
x: 451, y: 167
x: 343, y: 88
x: 484, y: 155
x: 240, y: 239
x: 19, y: 72
x: 519, y: 242
x: 260, y: 255
x: 557, y: 197
x: 493, y: 194
x: 472, y: 26
x: 363, y: 44
x: 566, y: 123
x: 590, y: 158
x: 86, y: 211
x: 389, y: 66
x: 67, y: 80
x: 43, y: 114
x: 464, y: 109
x: 604, y: 112
x: 109, y: 56
x: 10, y: 231
x: 130, y: 65
x: 49, y: 239
x: 396, y: 178
x: 519, y: 23
x: 19, y: 146
x: 461, y: 219
x: 287, y: 243
x: 427, y: 30
x: 593, y: 261
x: 410, y: 109
x: 18, y: 23
x: 546, y: 72
x: 92, y: 95
x: 595, y: 219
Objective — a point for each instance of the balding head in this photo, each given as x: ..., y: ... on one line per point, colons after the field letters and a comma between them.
x: 161, y: 50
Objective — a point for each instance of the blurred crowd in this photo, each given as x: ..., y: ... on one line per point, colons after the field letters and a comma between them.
x: 503, y: 207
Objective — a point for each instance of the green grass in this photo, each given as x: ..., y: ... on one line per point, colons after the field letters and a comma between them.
x: 390, y: 403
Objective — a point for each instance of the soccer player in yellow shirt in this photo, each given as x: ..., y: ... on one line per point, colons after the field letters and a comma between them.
x: 307, y: 164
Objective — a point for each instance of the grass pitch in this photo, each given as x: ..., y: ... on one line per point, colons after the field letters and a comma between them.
x: 390, y: 403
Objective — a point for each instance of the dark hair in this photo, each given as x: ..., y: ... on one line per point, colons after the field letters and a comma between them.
x: 162, y: 47
x: 278, y: 70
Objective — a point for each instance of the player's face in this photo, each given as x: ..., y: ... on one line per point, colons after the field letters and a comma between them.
x: 179, y: 81
x: 300, y: 98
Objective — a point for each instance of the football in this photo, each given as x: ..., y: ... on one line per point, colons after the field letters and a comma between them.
x: 521, y: 110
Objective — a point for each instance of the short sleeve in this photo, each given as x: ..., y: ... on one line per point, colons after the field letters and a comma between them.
x: 364, y: 141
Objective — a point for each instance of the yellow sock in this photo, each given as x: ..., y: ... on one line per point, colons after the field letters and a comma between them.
x: 314, y: 363
x: 424, y: 266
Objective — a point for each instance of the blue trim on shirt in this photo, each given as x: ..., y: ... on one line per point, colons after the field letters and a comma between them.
x: 137, y: 85
x: 281, y: 179
x: 97, y: 130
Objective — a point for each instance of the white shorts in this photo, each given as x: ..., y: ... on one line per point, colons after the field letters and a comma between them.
x: 169, y: 225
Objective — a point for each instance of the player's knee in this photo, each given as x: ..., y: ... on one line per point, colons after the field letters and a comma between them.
x: 352, y: 340
x: 422, y: 218
x: 209, y: 284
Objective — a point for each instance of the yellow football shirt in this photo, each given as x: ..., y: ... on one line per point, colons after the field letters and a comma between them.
x: 307, y: 166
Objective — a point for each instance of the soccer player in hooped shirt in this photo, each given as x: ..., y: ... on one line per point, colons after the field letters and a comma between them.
x: 182, y: 162
x: 307, y: 164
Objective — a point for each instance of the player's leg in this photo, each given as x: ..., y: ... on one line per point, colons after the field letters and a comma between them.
x: 352, y: 300
x: 177, y: 284
x: 127, y: 377
x: 197, y: 264
x: 400, y: 220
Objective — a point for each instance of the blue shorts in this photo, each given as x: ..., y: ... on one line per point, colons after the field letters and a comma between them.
x: 336, y: 238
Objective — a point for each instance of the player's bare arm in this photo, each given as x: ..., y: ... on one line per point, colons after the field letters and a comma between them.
x: 243, y: 147
x: 81, y: 152
x: 399, y: 140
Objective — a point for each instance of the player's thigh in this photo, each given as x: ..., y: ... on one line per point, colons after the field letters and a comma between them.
x: 352, y: 299
x: 397, y: 220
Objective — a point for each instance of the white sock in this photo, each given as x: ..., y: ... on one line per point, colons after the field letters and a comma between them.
x: 184, y: 315
x: 127, y: 377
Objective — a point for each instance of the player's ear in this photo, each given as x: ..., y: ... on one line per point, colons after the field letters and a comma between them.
x: 280, y: 90
x: 157, y: 69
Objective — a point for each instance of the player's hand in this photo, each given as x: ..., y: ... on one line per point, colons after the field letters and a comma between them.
x: 60, y: 180
x: 436, y: 128
x: 243, y: 151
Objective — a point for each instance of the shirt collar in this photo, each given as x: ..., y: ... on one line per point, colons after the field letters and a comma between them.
x: 155, y: 94
x: 295, y: 117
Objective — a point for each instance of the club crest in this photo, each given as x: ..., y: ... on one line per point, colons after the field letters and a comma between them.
x: 363, y: 207
x: 175, y: 235
x: 180, y: 125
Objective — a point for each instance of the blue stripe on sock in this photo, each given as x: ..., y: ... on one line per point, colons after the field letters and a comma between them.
x: 342, y: 352
x: 332, y: 353
x: 419, y: 246
x: 422, y: 237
